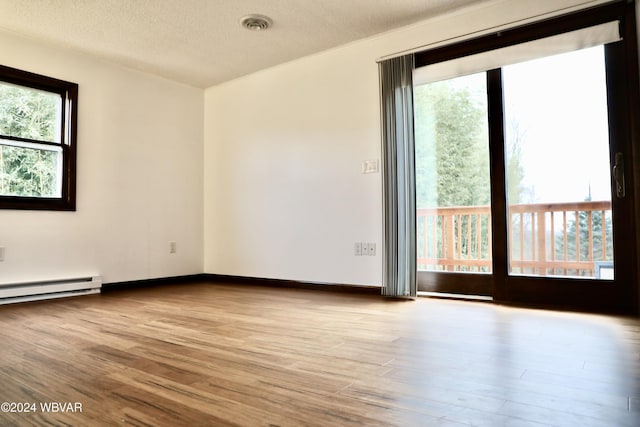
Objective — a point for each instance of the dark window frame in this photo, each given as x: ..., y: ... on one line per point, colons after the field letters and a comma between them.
x: 69, y: 126
x: 589, y: 17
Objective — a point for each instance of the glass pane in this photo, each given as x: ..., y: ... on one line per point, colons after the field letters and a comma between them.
x: 30, y: 172
x: 557, y: 141
x: 30, y: 113
x: 452, y: 175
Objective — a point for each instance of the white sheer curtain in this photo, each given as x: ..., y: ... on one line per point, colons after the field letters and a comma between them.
x: 398, y: 167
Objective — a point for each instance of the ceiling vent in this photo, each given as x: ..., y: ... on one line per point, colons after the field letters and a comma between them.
x: 256, y: 22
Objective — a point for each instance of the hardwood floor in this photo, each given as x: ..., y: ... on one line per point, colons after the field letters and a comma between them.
x: 216, y: 355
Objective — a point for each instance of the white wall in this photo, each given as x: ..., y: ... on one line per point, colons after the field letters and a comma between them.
x: 140, y: 177
x: 284, y: 196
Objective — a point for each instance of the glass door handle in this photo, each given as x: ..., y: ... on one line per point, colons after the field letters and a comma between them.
x: 618, y: 175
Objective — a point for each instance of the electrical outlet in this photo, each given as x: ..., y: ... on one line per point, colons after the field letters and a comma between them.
x: 1, y: 254
x: 173, y: 247
x: 365, y: 249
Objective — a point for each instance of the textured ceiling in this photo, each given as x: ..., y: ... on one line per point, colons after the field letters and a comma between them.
x: 200, y: 42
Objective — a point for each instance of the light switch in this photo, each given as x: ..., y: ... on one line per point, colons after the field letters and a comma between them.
x: 370, y: 166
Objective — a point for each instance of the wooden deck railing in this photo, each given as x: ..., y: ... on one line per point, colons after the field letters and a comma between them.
x: 544, y: 238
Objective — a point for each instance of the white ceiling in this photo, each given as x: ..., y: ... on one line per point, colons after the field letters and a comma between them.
x: 200, y: 42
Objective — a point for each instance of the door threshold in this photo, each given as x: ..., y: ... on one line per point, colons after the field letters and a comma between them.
x: 455, y: 296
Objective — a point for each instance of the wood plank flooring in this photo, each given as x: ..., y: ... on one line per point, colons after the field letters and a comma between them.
x: 238, y: 355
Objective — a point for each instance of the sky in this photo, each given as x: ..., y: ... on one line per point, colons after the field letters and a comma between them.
x: 560, y: 106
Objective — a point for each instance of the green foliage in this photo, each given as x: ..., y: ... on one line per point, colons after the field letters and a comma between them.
x: 452, y: 162
x: 452, y: 158
x: 24, y: 169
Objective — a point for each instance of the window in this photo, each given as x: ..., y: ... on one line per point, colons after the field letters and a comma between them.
x: 38, y: 120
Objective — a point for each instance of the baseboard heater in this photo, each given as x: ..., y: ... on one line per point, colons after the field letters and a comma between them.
x: 35, y: 291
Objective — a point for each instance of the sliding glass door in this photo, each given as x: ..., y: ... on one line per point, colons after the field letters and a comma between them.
x: 523, y: 164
